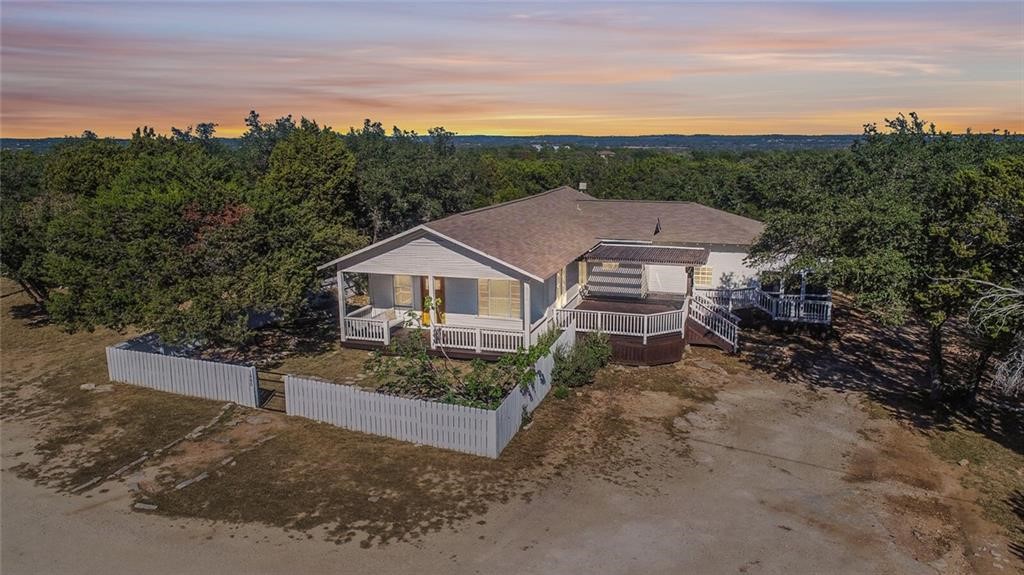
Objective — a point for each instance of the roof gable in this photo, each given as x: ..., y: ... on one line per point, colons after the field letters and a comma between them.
x: 421, y: 251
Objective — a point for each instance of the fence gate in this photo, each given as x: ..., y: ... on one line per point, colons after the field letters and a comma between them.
x: 270, y: 386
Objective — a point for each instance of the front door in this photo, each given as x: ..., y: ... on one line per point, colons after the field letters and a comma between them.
x: 438, y: 297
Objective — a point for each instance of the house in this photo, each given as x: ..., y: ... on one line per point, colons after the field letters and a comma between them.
x: 654, y: 275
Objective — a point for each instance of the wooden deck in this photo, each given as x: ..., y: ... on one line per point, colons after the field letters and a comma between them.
x: 647, y: 306
x: 631, y: 350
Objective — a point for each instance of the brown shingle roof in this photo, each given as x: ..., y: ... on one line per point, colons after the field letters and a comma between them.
x: 647, y: 254
x: 537, y: 234
x: 540, y: 233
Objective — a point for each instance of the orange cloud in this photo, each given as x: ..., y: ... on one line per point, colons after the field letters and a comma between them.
x: 591, y: 69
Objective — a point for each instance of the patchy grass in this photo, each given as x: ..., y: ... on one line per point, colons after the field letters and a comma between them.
x: 378, y: 490
x: 335, y: 363
x: 374, y: 490
x: 996, y: 472
x: 87, y: 432
x: 874, y: 410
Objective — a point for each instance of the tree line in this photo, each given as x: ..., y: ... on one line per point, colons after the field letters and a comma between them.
x: 182, y: 234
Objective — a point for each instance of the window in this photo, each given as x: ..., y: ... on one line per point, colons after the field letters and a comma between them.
x: 499, y: 298
x: 403, y: 291
x: 703, y: 276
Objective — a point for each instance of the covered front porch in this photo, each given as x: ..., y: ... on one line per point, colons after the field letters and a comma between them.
x: 474, y: 317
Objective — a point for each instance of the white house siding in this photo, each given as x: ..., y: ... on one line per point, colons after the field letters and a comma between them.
x: 382, y: 292
x: 429, y: 256
x: 666, y: 279
x: 460, y: 300
x: 728, y: 268
x: 542, y: 297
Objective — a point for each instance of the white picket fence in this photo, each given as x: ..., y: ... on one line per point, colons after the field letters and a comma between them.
x: 198, y: 378
x: 467, y: 429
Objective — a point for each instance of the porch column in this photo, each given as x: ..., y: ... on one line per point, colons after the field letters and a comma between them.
x: 688, y: 271
x: 526, y: 315
x: 803, y: 284
x: 433, y: 308
x: 342, y: 288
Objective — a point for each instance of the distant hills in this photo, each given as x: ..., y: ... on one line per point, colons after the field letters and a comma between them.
x: 663, y: 142
x: 668, y: 141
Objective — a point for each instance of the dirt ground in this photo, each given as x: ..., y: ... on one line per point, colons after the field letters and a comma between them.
x: 788, y: 459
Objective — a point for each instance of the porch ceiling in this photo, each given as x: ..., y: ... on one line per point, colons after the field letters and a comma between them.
x: 648, y: 254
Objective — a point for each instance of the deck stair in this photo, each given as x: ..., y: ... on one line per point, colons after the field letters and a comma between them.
x: 712, y: 324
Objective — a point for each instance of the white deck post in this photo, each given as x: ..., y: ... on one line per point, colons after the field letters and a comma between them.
x: 526, y: 315
x: 433, y: 308
x: 342, y: 288
x: 803, y: 293
x: 646, y: 317
x: 686, y: 317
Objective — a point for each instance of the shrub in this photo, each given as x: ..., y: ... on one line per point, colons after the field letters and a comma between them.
x: 561, y: 392
x: 577, y: 367
x: 406, y: 368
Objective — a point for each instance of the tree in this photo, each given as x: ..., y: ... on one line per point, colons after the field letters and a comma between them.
x: 305, y: 209
x: 24, y: 214
x: 904, y: 208
x: 259, y: 141
x: 403, y: 181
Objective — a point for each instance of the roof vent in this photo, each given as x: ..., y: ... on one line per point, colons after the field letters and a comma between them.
x: 583, y: 186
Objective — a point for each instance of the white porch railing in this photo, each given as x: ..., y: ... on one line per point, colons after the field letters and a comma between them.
x: 477, y: 339
x: 368, y: 329
x: 621, y: 323
x: 794, y: 308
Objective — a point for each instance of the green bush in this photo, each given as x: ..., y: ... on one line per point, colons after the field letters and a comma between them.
x: 406, y: 368
x: 577, y: 367
x: 561, y: 392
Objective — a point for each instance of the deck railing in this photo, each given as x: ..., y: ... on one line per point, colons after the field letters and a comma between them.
x: 622, y: 323
x: 795, y: 308
x: 792, y: 308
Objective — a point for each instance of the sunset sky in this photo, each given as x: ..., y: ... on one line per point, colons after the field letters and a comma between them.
x: 511, y: 68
